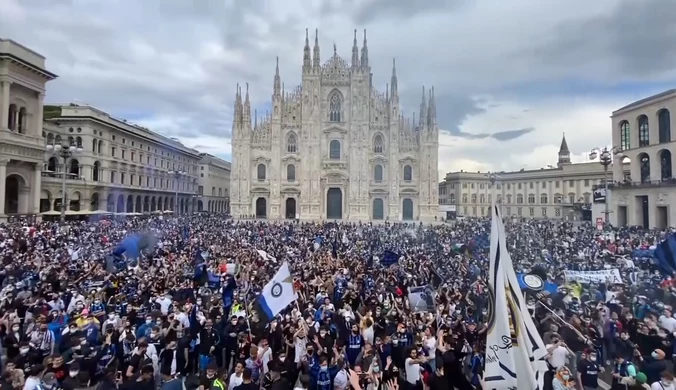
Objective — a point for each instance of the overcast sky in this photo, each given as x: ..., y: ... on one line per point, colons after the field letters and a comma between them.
x: 510, y: 76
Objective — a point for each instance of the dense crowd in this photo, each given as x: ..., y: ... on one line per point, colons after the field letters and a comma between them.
x: 387, y: 306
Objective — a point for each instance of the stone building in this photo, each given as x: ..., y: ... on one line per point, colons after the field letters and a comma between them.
x: 641, y: 131
x: 213, y: 184
x: 561, y: 192
x: 335, y: 147
x: 23, y: 77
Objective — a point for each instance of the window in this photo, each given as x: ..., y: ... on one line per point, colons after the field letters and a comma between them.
x: 558, y: 198
x: 586, y: 182
x: 260, y: 172
x: 543, y: 198
x: 378, y: 173
x: 112, y: 177
x: 482, y: 198
x: 490, y: 198
x: 519, y: 199
x: 571, y: 183
x: 131, y: 179
x: 531, y: 185
x: 571, y: 198
x: 472, y: 185
x: 133, y: 157
x: 78, y: 142
x: 509, y: 186
x: 509, y: 198
x: 531, y: 198
x: 481, y: 186
x: 645, y: 168
x: 509, y: 210
x: 335, y: 106
x: 556, y: 184
x: 557, y: 212
x: 544, y: 184
x: 473, y: 198
x: 112, y: 151
x: 291, y: 146
x: 643, y: 131
x: 451, y: 199
x: 518, y: 211
x: 531, y: 211
x: 334, y: 150
x: 464, y: 185
x: 519, y: 186
x: 408, y: 173
x: 96, y: 171
x: 200, y: 190
x: 625, y: 142
x: 544, y: 211
x: 290, y: 173
x: 464, y: 198
x: 122, y: 178
x: 378, y: 144
x: 664, y: 124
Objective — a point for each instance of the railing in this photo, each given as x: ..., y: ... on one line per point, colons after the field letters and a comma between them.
x: 59, y: 175
x: 666, y: 182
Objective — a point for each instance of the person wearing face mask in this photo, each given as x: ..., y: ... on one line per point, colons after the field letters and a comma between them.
x: 355, y: 344
x: 146, y: 328
x: 654, y: 365
x: 588, y: 370
x: 229, y: 340
x: 72, y: 381
x: 12, y: 339
x: 622, y: 369
x: 210, y: 376
x: 43, y: 340
x: 624, y: 346
x: 562, y: 379
x: 209, y: 340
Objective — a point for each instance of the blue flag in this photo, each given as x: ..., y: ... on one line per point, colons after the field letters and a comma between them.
x: 389, y: 258
x: 664, y: 255
x: 228, y: 293
x: 194, y: 324
x: 129, y: 246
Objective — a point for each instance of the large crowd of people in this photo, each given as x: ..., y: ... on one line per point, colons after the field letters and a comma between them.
x: 76, y: 311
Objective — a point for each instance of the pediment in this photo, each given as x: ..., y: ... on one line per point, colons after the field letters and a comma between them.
x: 335, y: 129
x: 408, y: 158
x: 290, y: 190
x: 260, y: 190
x: 261, y: 159
x: 378, y: 158
x: 410, y: 191
x: 378, y: 191
x: 291, y: 158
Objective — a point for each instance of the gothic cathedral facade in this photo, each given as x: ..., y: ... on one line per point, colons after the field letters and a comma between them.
x: 335, y: 148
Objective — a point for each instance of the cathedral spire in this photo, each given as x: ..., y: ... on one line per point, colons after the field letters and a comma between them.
x: 315, y: 58
x: 306, y: 53
x: 255, y: 119
x: 355, y: 52
x: 422, y: 120
x: 246, y: 117
x: 236, y: 114
x: 395, y: 90
x: 564, y: 152
x: 387, y: 92
x: 365, y: 55
x: 432, y: 111
x: 277, y: 89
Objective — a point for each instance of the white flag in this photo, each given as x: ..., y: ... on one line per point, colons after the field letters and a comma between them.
x: 276, y: 295
x: 514, y: 348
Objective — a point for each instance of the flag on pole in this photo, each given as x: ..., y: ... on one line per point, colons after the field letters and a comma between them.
x: 276, y: 295
x: 514, y: 348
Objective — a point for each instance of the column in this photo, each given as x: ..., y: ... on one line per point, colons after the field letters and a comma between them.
x: 4, y: 114
x: 38, y: 116
x: 3, y: 178
x: 37, y: 188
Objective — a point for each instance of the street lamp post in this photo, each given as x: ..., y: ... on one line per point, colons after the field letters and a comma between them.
x: 177, y: 174
x: 605, y: 156
x: 492, y: 178
x: 66, y: 153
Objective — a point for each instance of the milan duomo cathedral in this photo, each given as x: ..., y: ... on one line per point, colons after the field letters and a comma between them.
x: 334, y: 147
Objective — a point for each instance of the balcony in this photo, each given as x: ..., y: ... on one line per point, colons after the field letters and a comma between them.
x: 665, y: 183
x: 59, y: 175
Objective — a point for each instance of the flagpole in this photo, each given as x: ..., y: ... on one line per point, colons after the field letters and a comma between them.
x: 563, y: 321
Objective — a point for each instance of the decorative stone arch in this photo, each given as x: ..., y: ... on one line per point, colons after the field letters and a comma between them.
x: 110, y: 203
x: 45, y: 200
x: 378, y: 143
x: 74, y: 200
x: 94, y: 202
x: 129, y: 204
x: 335, y: 106
x: 291, y: 142
x: 14, y: 184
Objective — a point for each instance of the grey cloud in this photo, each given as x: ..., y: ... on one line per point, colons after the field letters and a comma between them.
x: 509, y: 135
x: 635, y: 39
x: 363, y: 12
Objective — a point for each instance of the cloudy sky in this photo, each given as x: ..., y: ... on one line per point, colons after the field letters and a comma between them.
x: 510, y: 76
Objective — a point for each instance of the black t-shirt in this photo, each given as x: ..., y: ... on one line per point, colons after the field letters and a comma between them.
x: 589, y: 373
x: 247, y: 386
x: 61, y: 372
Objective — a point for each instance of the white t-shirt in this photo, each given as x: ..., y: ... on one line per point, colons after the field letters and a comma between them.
x: 659, y: 386
x: 668, y: 323
x: 31, y: 383
x: 558, y: 358
x: 412, y: 371
x: 340, y: 382
x: 235, y: 380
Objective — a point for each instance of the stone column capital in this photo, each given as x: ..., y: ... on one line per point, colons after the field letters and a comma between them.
x: 4, y: 162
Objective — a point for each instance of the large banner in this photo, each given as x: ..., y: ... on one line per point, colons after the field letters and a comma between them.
x: 602, y: 276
